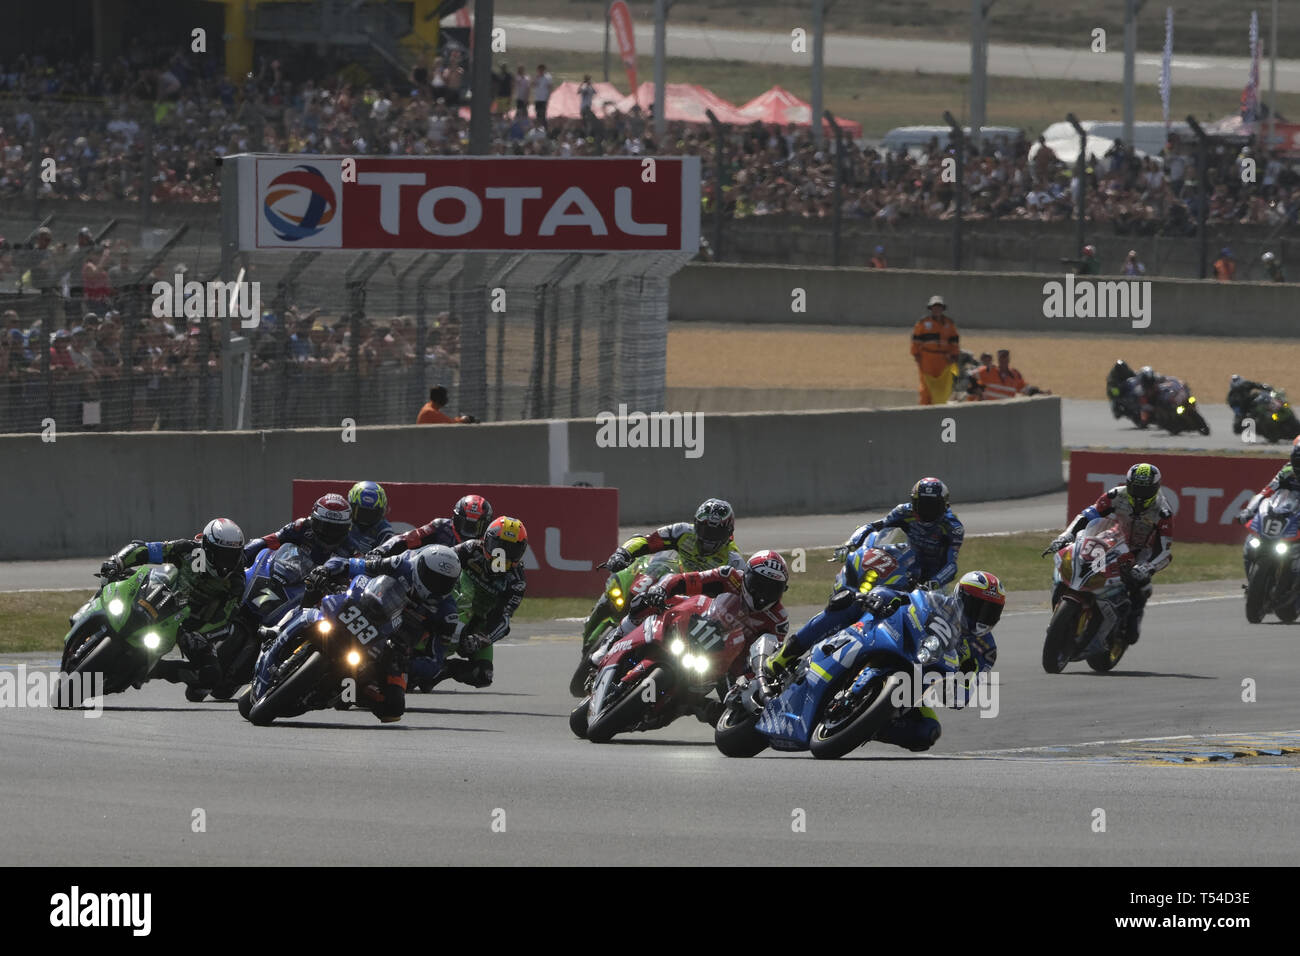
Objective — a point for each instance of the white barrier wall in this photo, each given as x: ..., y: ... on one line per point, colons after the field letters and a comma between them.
x: 89, y: 493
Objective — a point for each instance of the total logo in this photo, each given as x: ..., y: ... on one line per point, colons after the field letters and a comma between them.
x: 300, y: 204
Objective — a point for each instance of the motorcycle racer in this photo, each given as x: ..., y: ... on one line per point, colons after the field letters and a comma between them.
x: 469, y: 519
x: 323, y: 534
x: 210, y: 576
x: 1148, y: 524
x: 1241, y: 395
x: 369, y: 504
x: 1287, y: 477
x: 931, y: 527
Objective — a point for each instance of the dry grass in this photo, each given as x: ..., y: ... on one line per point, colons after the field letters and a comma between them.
x: 1072, y: 366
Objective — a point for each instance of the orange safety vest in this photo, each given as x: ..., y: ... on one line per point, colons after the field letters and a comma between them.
x: 935, y: 342
x: 998, y: 386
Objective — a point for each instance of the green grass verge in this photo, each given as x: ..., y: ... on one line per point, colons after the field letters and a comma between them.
x: 38, y: 620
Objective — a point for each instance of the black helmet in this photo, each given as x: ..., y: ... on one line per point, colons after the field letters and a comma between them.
x: 929, y: 499
x: 223, y: 547
x: 1147, y: 376
x: 1143, y: 485
x: 715, y: 523
x: 471, y: 517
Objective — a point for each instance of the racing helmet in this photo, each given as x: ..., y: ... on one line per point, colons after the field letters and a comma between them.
x: 471, y: 516
x: 982, y: 599
x: 715, y: 523
x: 766, y: 578
x: 331, y: 520
x: 1147, y: 376
x: 508, y: 536
x: 929, y: 499
x: 369, y: 503
x: 1142, y: 484
x: 223, y: 547
x: 437, y: 569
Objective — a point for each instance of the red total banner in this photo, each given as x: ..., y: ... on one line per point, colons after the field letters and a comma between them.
x: 620, y: 18
x: 469, y: 203
x: 570, y: 530
x: 1205, y: 491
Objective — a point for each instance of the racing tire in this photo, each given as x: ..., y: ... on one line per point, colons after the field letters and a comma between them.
x: 869, y: 715
x: 627, y: 711
x: 285, y: 697
x: 578, y: 719
x: 737, y: 734
x: 1058, y: 645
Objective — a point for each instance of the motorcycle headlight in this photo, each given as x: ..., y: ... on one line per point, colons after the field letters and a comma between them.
x: 324, y: 627
x: 928, y: 651
x: 1192, y: 400
x: 688, y: 661
x: 1275, y: 416
x: 1179, y: 409
x: 701, y: 664
x: 1252, y: 542
x: 353, y: 658
x: 677, y: 647
x: 1281, y: 547
x: 115, y: 606
x: 152, y: 640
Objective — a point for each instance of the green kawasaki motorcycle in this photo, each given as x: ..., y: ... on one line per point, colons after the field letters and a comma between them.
x: 125, y: 629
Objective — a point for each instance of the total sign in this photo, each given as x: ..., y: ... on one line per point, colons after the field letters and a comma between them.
x: 1205, y: 492
x: 468, y: 204
x: 570, y: 530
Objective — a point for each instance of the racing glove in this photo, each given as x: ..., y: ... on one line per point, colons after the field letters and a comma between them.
x: 1139, y: 575
x: 619, y: 560
x: 1059, y: 542
x: 472, y: 644
x: 880, y: 607
x: 112, y: 569
x: 1244, y: 515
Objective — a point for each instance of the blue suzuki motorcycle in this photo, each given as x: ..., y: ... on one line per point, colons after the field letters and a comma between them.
x: 885, y: 558
x: 1271, y: 555
x: 845, y: 690
x: 274, y: 585
x: 324, y: 652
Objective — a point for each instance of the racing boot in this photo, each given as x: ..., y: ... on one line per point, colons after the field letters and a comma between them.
x: 917, y: 730
x: 783, y: 658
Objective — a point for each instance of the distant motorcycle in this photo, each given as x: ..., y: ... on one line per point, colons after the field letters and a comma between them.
x: 1272, y: 558
x: 1090, y: 603
x: 1174, y: 409
x: 1117, y: 392
x: 1272, y: 414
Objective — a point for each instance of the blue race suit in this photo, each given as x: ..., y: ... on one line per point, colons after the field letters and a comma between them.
x: 363, y: 540
x: 296, y: 532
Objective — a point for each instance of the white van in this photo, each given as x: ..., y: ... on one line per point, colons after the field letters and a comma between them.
x: 914, y: 140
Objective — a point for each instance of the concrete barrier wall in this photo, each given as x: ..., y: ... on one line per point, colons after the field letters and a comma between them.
x: 728, y: 399
x: 89, y: 493
x: 708, y: 292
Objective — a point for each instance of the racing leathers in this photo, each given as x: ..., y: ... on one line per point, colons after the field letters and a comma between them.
x: 437, y: 531
x: 212, y: 601
x: 679, y: 537
x: 364, y: 540
x: 1284, y: 479
x: 936, y: 543
x: 1149, y: 533
x: 297, y: 532
x: 486, y: 599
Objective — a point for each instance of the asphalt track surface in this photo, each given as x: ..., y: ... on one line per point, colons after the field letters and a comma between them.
x: 876, y: 53
x: 1021, y: 787
x: 1089, y: 424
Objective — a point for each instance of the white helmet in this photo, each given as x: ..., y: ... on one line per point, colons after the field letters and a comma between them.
x: 223, y: 546
x: 437, y: 569
x: 1268, y: 257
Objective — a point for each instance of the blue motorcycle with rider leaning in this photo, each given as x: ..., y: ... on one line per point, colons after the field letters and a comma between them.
x: 844, y: 691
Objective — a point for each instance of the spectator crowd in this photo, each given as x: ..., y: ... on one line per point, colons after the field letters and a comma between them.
x: 146, y: 123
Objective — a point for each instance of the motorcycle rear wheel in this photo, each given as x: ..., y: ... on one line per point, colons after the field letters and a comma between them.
x: 737, y: 735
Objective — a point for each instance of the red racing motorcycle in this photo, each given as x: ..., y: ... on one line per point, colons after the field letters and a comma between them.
x: 665, y: 668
